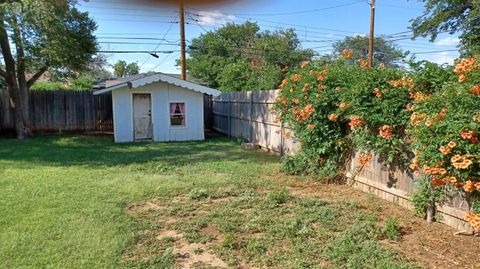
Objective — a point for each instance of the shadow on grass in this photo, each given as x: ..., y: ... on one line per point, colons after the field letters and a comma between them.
x: 68, y: 150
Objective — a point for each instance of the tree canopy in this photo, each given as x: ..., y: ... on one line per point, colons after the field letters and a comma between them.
x: 37, y: 35
x: 122, y: 69
x: 450, y: 16
x: 97, y: 68
x: 384, y: 52
x: 240, y: 57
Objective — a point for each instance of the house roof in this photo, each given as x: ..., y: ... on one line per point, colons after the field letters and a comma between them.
x: 139, y: 81
x: 116, y: 81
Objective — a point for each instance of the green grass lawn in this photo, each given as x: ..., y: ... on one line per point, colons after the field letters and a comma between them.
x: 81, y: 202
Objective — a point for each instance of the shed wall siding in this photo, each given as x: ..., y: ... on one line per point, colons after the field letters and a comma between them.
x: 122, y: 115
x: 162, y: 95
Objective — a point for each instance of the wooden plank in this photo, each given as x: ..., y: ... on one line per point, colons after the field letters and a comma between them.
x: 62, y: 110
x: 246, y: 115
x: 6, y: 113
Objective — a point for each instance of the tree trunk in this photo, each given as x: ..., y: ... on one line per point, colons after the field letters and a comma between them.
x: 431, y: 204
x: 10, y: 76
x: 25, y: 99
x: 17, y: 111
x: 20, y: 72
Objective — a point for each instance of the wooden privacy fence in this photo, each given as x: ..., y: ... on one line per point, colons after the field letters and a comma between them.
x: 62, y: 110
x: 396, y: 185
x: 247, y: 115
x: 6, y: 114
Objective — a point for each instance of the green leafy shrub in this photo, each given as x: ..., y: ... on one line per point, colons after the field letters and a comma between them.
x: 335, y: 107
x: 198, y: 194
x: 444, y: 127
x: 229, y: 241
x: 423, y: 196
x: 391, y: 229
x: 430, y: 112
x: 255, y: 247
x: 82, y: 83
x: 279, y: 197
x: 358, y: 247
x: 47, y: 86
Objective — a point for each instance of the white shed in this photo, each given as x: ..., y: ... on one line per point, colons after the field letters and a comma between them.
x: 158, y: 107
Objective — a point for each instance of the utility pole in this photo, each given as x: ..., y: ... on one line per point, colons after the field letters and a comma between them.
x: 183, y: 59
x: 372, y: 34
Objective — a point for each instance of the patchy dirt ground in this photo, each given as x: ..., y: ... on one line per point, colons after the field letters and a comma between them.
x: 291, y: 228
x: 431, y: 245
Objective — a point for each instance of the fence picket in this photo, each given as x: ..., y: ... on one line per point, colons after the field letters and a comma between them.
x: 62, y: 110
x: 259, y: 127
x: 246, y: 115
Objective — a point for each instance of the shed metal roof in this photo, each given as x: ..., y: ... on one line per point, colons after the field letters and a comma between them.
x: 137, y: 82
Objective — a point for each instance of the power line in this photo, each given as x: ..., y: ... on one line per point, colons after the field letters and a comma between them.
x: 165, y: 35
x: 136, y: 38
x: 297, y: 12
x: 135, y: 43
x: 269, y: 21
x: 137, y: 51
x: 135, y: 21
x: 395, y: 6
x: 196, y: 22
x: 434, y: 51
x: 269, y: 26
x: 126, y: 9
x: 164, y: 59
x: 243, y: 14
x: 133, y: 15
x: 399, y: 33
x: 421, y: 46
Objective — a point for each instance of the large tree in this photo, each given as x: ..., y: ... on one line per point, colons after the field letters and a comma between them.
x: 36, y: 35
x: 122, y: 69
x: 240, y: 57
x: 450, y: 16
x: 384, y: 52
x: 97, y: 68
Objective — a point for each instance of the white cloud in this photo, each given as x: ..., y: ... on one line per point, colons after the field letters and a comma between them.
x: 443, y: 57
x: 214, y: 17
x: 447, y: 41
x: 148, y: 66
x: 360, y: 34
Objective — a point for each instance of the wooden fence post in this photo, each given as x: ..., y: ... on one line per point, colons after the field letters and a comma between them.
x: 229, y: 125
x: 251, y: 117
x: 281, y: 139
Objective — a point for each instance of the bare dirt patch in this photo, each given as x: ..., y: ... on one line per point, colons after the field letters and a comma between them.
x: 154, y: 206
x: 169, y: 234
x: 145, y: 206
x: 188, y: 255
x: 197, y: 242
x: 431, y: 245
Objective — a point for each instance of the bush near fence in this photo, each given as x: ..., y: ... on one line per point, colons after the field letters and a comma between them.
x: 344, y: 107
x: 428, y: 114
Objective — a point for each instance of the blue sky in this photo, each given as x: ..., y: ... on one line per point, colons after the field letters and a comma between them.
x: 129, y: 26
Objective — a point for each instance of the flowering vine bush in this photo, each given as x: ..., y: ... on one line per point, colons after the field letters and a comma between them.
x: 444, y: 127
x: 338, y: 107
x: 427, y: 119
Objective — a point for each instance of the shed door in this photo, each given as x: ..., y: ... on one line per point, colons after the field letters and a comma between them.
x: 142, y: 116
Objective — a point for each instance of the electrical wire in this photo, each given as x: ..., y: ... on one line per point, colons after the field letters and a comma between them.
x: 137, y: 51
x: 164, y: 60
x: 298, y: 12
x: 165, y: 35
